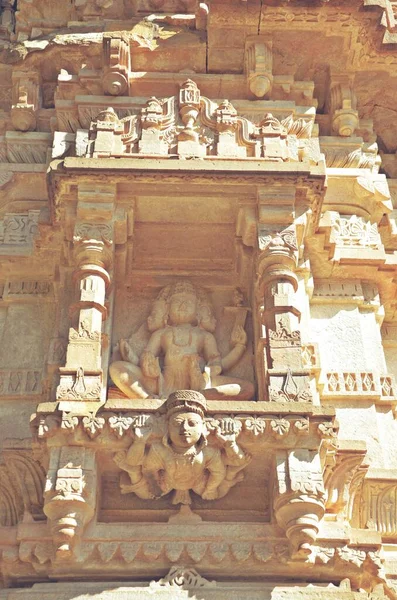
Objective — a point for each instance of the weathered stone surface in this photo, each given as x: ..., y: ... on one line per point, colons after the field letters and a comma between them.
x: 198, y: 314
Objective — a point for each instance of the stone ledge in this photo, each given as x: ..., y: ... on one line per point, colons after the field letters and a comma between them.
x: 246, y: 165
x: 213, y: 407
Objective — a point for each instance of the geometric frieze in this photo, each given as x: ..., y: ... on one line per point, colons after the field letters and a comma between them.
x: 17, y: 233
x: 20, y: 382
x: 26, y: 290
x: 358, y: 384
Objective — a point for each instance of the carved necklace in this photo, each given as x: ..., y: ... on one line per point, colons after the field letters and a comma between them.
x: 187, y: 457
x: 182, y: 337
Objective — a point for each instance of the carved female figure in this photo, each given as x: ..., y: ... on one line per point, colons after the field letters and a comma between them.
x: 182, y: 352
x: 182, y: 460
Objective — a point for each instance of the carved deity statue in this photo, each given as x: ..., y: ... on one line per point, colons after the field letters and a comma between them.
x: 182, y: 460
x: 182, y: 351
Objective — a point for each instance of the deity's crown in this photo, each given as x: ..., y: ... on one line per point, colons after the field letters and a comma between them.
x: 183, y: 287
x: 186, y: 400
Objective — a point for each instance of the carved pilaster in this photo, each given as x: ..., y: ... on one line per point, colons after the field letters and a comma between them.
x: 7, y: 19
x: 299, y: 498
x: 69, y: 496
x: 284, y: 219
x: 286, y: 380
x: 116, y: 53
x: 26, y: 100
x: 93, y: 250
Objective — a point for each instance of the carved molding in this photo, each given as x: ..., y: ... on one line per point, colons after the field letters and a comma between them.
x: 117, y: 427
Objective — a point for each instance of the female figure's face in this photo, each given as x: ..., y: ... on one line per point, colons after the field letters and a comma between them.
x: 185, y: 429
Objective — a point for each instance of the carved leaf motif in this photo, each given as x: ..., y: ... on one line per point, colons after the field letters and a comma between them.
x: 182, y: 578
x: 356, y: 557
x: 86, y: 549
x: 302, y: 425
x: 280, y: 427
x: 241, y: 551
x: 119, y: 424
x: 129, y: 551
x: 324, y: 555
x: 255, y: 425
x: 47, y: 426
x: 263, y: 552
x: 197, y: 550
x: 218, y: 551
x: 69, y: 421
x: 327, y: 429
x: 107, y: 550
x: 43, y: 552
x: 152, y: 550
x: 25, y: 551
x: 93, y: 425
x: 173, y: 550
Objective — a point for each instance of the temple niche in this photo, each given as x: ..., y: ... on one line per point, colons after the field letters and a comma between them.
x: 198, y: 323
x: 176, y: 347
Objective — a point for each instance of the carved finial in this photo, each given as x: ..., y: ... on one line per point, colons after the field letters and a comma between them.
x: 107, y: 116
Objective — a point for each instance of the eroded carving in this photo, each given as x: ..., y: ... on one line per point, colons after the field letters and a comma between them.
x: 182, y: 351
x: 183, y: 461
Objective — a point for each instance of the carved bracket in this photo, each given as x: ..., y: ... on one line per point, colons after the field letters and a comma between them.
x: 116, y: 52
x: 299, y: 498
x: 70, y: 496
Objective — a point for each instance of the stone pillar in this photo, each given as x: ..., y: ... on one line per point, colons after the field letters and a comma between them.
x: 69, y: 496
x: 81, y: 378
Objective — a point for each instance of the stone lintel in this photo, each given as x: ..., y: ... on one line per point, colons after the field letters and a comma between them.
x: 247, y: 165
x: 213, y: 407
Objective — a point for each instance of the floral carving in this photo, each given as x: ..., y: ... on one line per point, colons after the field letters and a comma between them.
x: 93, y: 425
x: 255, y: 425
x: 280, y: 427
x: 120, y: 424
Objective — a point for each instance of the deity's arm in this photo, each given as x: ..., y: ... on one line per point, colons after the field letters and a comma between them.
x: 211, y: 352
x: 127, y: 353
x: 149, y: 362
x: 235, y: 455
x: 154, y: 344
x: 232, y: 357
x: 136, y: 452
x: 217, y: 472
x: 239, y: 345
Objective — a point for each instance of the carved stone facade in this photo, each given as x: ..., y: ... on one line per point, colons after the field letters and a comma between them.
x: 198, y: 315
